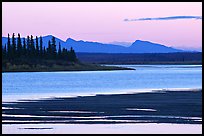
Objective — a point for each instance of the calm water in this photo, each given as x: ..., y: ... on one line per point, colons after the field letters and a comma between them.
x: 44, y: 84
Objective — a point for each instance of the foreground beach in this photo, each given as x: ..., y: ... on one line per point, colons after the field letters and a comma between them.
x: 139, y: 128
x: 172, y: 107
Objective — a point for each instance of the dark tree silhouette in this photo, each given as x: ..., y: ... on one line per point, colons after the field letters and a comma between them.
x: 59, y: 51
x: 37, y: 48
x: 73, y: 57
x: 44, y: 52
x: 41, y: 47
x: 53, y: 48
x: 30, y: 52
x: 28, y: 47
x: 13, y: 53
x: 24, y: 48
x: 19, y: 46
x: 32, y: 47
x: 49, y: 50
x: 9, y: 50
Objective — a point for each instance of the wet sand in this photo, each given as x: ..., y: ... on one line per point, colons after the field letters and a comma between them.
x: 178, y: 107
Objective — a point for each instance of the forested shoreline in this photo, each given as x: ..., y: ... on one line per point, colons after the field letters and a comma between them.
x: 29, y: 55
x: 187, y: 58
x: 32, y: 50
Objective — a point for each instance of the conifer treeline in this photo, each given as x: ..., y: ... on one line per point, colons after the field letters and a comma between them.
x: 31, y: 49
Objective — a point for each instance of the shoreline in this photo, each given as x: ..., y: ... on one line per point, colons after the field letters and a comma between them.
x: 75, y: 95
x: 150, y: 107
x: 155, y: 63
x: 84, y: 67
x: 93, y: 67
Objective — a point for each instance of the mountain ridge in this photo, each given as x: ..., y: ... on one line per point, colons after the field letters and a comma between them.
x: 139, y: 46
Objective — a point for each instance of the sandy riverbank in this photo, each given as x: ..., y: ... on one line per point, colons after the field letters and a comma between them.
x: 158, y: 107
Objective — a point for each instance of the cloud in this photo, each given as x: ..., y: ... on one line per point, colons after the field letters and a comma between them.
x: 165, y: 18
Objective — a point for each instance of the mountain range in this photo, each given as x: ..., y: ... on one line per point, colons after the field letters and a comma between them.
x: 138, y: 46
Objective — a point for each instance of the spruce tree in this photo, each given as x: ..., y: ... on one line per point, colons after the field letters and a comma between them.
x: 9, y: 50
x: 59, y: 51
x: 44, y: 53
x: 19, y: 46
x: 13, y: 47
x: 37, y: 47
x: 63, y: 55
x: 41, y: 47
x: 73, y: 57
x: 32, y: 45
x: 28, y: 47
x: 53, y: 48
x: 24, y: 47
x: 49, y: 50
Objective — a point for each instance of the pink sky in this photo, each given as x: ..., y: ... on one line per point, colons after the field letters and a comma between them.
x: 104, y: 22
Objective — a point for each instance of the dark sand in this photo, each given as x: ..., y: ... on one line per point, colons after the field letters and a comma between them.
x: 164, y: 107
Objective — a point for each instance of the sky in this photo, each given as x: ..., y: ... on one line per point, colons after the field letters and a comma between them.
x: 174, y: 24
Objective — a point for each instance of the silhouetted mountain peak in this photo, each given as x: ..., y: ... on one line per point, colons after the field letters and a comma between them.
x: 149, y: 47
x: 139, y: 42
x: 139, y: 46
x: 70, y: 40
x: 147, y: 43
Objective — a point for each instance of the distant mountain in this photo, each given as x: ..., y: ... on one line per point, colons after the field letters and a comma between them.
x: 95, y: 47
x: 121, y: 43
x: 148, y: 47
